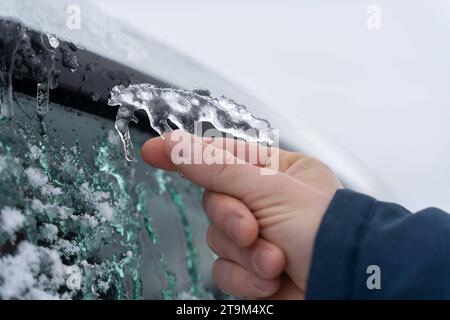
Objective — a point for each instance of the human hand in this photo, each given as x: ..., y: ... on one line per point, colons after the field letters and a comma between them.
x: 263, y: 226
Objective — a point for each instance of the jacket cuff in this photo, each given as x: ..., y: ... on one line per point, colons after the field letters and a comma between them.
x: 344, y: 224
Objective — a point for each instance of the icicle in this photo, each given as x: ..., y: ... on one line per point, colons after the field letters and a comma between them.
x: 185, y: 108
x: 10, y: 33
x: 42, y: 99
x: 123, y: 118
x: 6, y: 97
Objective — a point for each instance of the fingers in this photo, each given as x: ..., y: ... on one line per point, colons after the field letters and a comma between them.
x: 233, y: 279
x: 228, y: 175
x: 154, y: 151
x: 262, y: 258
x: 231, y: 217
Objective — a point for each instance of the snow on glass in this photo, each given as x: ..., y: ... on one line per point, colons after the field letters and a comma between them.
x: 59, y: 214
x: 184, y: 108
x: 58, y: 211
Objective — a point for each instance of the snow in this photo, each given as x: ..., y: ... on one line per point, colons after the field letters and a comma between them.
x: 62, y: 211
x: 92, y: 221
x: 74, y: 278
x: 67, y: 248
x: 105, y: 210
x: 50, y: 231
x: 11, y: 220
x: 34, y: 152
x: 100, y: 201
x: 39, y: 180
x: 36, y: 177
x: 22, y: 276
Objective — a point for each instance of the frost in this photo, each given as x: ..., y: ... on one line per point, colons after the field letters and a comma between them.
x: 11, y: 220
x: 184, y: 108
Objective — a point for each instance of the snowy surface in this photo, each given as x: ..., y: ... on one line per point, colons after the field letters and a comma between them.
x: 380, y: 96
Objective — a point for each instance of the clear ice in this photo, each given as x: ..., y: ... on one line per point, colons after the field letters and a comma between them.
x: 21, y: 48
x: 184, y: 108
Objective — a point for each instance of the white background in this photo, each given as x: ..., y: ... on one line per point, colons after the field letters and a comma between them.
x: 382, y: 96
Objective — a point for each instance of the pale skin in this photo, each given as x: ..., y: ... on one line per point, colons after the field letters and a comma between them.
x: 263, y: 227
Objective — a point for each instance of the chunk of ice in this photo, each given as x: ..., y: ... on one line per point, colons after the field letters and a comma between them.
x: 184, y: 108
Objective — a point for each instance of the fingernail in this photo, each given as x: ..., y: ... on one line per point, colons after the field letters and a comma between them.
x: 262, y: 285
x: 234, y: 227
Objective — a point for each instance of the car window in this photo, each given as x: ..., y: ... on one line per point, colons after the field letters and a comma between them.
x: 78, y: 221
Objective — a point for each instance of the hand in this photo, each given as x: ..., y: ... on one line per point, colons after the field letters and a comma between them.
x: 263, y: 226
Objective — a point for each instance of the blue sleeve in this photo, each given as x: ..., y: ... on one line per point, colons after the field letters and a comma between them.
x: 412, y: 251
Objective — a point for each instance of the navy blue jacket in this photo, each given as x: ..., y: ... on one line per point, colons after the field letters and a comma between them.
x: 412, y: 251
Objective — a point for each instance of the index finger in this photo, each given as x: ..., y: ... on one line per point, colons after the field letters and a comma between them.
x: 153, y: 151
x: 231, y: 176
